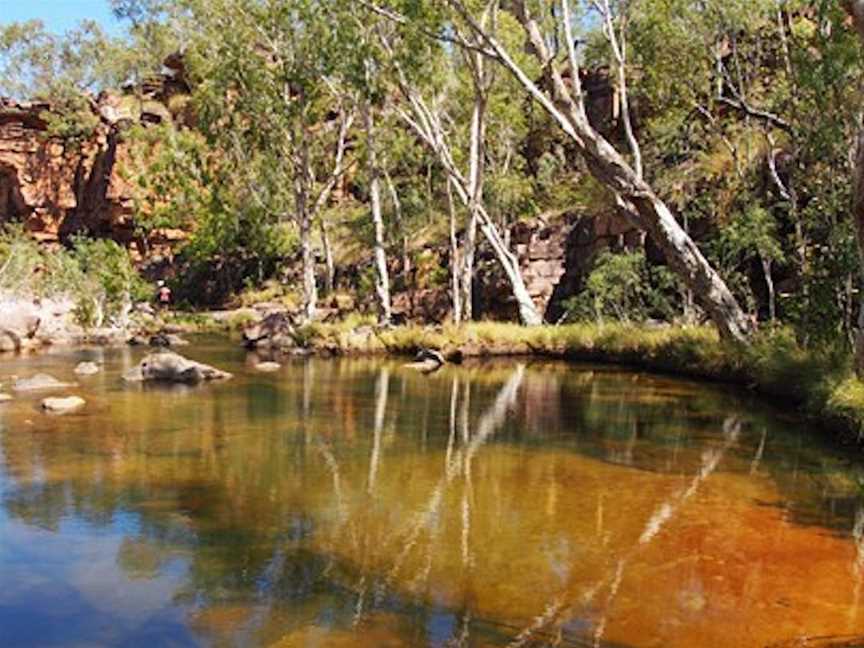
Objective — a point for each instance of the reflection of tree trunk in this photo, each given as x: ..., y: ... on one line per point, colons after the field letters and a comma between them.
x: 665, y: 512
x: 451, y: 438
x: 382, y: 388
x: 308, y: 380
x: 558, y: 609
x: 489, y: 423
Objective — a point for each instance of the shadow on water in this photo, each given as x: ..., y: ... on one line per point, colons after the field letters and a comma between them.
x: 355, y: 502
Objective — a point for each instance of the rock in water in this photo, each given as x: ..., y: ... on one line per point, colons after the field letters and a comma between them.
x: 5, y: 398
x: 63, y: 405
x: 167, y: 340
x: 427, y: 361
x: 268, y: 366
x: 87, y: 368
x: 274, y: 331
x: 38, y: 382
x: 172, y: 367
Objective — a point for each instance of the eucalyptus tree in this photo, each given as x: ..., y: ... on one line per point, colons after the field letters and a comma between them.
x: 260, y: 68
x: 423, y: 109
x: 362, y: 67
x: 549, y: 34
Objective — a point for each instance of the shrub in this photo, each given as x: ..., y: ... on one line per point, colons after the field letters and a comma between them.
x: 623, y: 287
x: 97, y: 275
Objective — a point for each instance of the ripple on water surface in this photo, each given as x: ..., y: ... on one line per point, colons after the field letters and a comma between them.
x: 358, y: 503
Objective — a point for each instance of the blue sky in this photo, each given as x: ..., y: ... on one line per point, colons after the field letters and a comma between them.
x: 59, y: 15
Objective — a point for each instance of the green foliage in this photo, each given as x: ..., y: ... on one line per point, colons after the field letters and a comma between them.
x: 97, y: 275
x: 111, y: 283
x: 623, y: 287
x: 28, y: 268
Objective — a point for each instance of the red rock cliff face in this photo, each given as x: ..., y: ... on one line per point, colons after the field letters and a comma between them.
x: 57, y: 190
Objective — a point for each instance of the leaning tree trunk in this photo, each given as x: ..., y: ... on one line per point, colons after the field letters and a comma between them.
x: 382, y: 277
x: 565, y: 104
x: 428, y: 126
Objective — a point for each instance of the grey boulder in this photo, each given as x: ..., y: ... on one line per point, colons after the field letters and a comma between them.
x: 167, y: 366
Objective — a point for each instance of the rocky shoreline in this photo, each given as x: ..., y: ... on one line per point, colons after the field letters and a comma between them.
x: 813, y: 385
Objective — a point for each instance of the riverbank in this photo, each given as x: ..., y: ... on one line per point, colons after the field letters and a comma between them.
x: 818, y: 384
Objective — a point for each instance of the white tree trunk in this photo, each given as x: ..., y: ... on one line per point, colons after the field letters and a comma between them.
x: 330, y: 277
x: 769, y: 284
x: 403, y: 226
x: 475, y: 188
x: 382, y: 276
x: 302, y: 173
x: 455, y: 259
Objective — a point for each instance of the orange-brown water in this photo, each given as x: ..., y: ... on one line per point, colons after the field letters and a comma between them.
x: 360, y: 503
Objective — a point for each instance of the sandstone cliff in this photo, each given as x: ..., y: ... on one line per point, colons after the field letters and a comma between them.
x: 58, y: 188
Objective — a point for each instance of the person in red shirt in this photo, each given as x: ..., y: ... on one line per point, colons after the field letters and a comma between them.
x: 163, y: 295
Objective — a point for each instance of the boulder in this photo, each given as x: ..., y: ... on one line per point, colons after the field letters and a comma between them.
x: 276, y: 330
x: 87, y: 368
x: 166, y: 366
x: 5, y: 398
x: 39, y: 382
x: 427, y: 361
x: 63, y: 405
x: 268, y: 366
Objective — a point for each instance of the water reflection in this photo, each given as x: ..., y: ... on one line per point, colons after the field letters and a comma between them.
x: 353, y: 502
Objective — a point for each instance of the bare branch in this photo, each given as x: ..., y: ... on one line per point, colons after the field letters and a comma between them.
x: 399, y: 19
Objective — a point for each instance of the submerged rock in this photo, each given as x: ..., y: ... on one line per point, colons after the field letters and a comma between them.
x: 268, y: 366
x: 87, y: 368
x: 39, y: 382
x: 167, y: 366
x: 63, y: 405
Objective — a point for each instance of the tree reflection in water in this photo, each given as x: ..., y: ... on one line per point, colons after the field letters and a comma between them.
x: 353, y: 501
